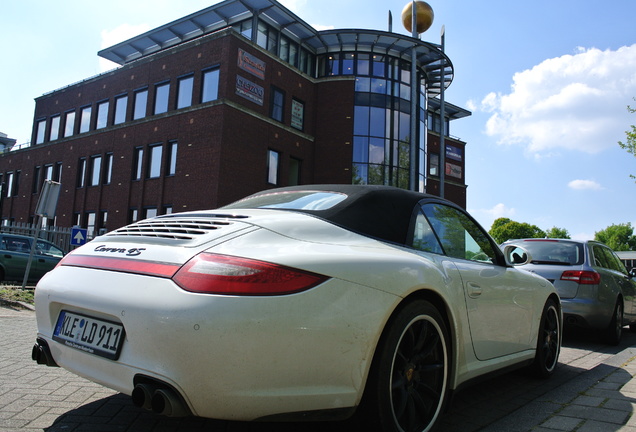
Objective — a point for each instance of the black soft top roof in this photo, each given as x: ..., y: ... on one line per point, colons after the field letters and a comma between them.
x: 383, y: 212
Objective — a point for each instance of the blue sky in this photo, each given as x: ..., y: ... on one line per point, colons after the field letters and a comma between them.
x: 548, y: 83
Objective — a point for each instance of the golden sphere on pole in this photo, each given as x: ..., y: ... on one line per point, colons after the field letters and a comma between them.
x: 423, y: 16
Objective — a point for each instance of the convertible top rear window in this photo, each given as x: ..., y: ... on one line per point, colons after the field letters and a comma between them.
x: 382, y: 212
x: 302, y: 200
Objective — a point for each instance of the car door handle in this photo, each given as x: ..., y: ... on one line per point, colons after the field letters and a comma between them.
x: 474, y: 290
x: 8, y: 256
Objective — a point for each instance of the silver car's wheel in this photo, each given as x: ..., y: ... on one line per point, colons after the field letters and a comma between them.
x: 615, y: 329
x: 410, y: 374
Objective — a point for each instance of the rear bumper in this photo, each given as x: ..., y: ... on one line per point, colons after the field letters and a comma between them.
x: 227, y: 357
x: 587, y: 313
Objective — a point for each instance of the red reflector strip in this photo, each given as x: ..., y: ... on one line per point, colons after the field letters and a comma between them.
x: 121, y: 265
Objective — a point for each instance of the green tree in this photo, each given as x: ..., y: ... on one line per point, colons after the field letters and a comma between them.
x: 630, y: 143
x: 618, y: 237
x: 557, y: 233
x: 505, y: 229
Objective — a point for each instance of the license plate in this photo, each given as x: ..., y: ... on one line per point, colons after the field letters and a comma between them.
x: 92, y: 335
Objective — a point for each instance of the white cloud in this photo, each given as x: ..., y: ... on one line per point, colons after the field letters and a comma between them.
x: 584, y: 185
x: 487, y: 216
x: 573, y: 102
x: 117, y: 35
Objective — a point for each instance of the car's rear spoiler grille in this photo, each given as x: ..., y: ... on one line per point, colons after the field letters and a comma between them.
x: 172, y: 228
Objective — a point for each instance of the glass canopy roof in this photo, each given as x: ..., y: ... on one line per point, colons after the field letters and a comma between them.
x: 432, y: 61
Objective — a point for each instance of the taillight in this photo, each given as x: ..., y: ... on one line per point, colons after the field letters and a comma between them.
x: 221, y: 274
x: 582, y: 277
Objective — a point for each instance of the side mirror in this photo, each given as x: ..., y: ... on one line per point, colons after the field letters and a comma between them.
x: 516, y: 255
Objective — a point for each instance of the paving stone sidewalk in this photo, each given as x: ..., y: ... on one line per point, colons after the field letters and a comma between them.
x: 592, y: 391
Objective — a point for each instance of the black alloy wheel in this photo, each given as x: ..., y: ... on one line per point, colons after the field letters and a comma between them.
x: 410, y: 375
x: 549, y: 340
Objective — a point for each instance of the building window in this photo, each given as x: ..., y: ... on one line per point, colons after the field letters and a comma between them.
x: 9, y: 191
x: 150, y: 212
x: 167, y: 209
x: 348, y: 60
x: 210, y: 87
x: 138, y: 161
x: 36, y: 180
x: 69, y: 124
x: 273, y: 158
x: 102, y: 115
x: 267, y: 38
x: 57, y: 172
x: 154, y: 161
x: 133, y: 215
x: 121, y: 107
x: 141, y: 101
x: 162, y: 92
x: 307, y: 62
x: 39, y: 131
x: 85, y: 120
x: 91, y: 218
x: 244, y: 28
x: 294, y: 172
x: 433, y: 160
x: 284, y: 48
x: 96, y: 170
x: 16, y: 184
x: 103, y: 220
x: 108, y: 168
x: 184, y: 92
x: 48, y: 172
x: 55, y: 128
x: 171, y: 163
x: 277, y: 104
x: 81, y: 172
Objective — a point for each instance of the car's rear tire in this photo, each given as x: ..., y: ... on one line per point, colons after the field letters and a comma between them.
x: 549, y: 341
x: 408, y: 381
x: 613, y: 333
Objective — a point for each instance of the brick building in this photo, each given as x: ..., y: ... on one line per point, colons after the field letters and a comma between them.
x: 237, y: 98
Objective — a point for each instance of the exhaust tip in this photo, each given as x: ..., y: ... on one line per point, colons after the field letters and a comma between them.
x: 142, y: 396
x: 41, y: 353
x: 167, y: 403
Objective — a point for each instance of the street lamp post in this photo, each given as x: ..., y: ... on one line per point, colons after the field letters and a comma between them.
x: 417, y: 17
x: 413, y: 165
x: 442, y: 133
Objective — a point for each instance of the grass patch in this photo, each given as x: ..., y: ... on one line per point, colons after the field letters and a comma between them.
x: 13, y: 293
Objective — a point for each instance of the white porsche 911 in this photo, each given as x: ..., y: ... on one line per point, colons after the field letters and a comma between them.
x: 298, y: 303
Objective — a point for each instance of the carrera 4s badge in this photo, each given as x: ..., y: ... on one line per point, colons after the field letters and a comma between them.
x: 114, y: 250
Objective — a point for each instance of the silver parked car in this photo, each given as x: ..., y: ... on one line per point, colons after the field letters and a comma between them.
x: 595, y: 288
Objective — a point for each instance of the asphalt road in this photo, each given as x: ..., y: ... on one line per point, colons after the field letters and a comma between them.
x: 38, y: 398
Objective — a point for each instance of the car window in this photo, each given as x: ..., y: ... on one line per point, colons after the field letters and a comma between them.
x: 424, y: 238
x: 549, y: 251
x: 613, y: 262
x: 459, y: 236
x: 600, y: 257
x: 301, y: 200
x: 48, y: 249
x: 16, y: 244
